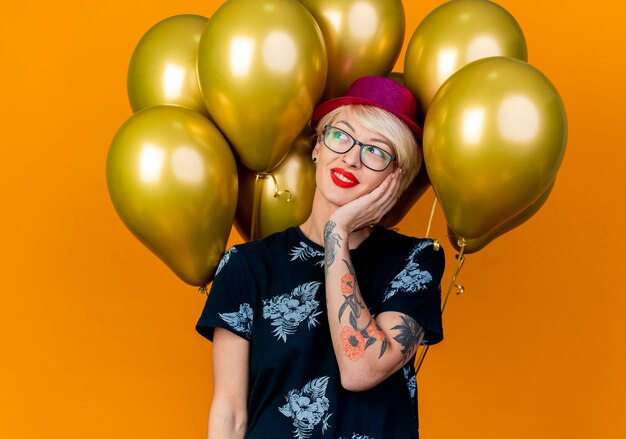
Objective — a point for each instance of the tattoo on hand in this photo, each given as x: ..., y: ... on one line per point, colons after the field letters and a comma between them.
x: 331, y: 243
x: 409, y: 337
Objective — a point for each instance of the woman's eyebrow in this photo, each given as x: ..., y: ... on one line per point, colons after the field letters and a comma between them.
x: 346, y: 124
x: 383, y: 141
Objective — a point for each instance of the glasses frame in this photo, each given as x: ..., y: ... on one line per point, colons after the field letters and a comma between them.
x: 361, y: 146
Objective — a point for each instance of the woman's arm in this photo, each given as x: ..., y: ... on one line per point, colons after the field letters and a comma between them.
x: 368, y: 350
x: 228, y: 417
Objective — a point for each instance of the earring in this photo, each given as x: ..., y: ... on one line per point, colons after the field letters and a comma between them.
x: 314, y: 159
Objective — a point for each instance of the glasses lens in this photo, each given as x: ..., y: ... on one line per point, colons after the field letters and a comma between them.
x: 375, y: 158
x: 338, y: 140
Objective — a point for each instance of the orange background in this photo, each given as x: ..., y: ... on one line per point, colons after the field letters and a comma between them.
x: 97, y: 336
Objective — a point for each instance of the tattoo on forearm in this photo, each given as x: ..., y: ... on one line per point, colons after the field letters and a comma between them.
x: 331, y: 243
x: 356, y: 339
x: 376, y: 334
x: 409, y: 336
x: 349, y: 288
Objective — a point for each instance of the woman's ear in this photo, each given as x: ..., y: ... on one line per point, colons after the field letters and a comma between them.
x: 319, y: 139
x: 316, y: 148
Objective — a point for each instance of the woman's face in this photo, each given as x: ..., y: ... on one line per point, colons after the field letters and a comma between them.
x: 342, y: 178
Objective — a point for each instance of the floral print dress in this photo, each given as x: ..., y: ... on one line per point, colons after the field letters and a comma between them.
x: 271, y: 293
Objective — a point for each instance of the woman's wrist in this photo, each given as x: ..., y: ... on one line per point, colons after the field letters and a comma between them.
x: 334, y: 239
x: 334, y: 226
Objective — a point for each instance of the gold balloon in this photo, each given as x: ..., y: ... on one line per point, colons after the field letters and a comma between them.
x: 453, y: 35
x: 262, y: 69
x: 494, y: 138
x: 284, y: 196
x: 363, y: 38
x: 173, y: 181
x: 162, y: 69
x: 476, y: 244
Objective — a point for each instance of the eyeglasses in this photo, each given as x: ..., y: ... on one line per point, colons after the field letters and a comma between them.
x: 372, y: 157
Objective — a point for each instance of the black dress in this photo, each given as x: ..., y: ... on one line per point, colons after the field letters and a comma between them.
x: 271, y: 292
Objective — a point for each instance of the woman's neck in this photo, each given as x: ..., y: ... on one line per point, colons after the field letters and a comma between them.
x: 313, y: 227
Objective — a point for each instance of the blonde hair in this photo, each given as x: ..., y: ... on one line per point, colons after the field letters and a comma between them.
x: 408, y: 153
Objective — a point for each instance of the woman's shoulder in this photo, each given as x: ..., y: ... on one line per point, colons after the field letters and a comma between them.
x: 256, y: 255
x: 390, y: 236
x: 275, y: 242
x: 408, y: 247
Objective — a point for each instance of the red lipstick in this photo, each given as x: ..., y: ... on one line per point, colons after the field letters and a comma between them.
x: 343, y: 178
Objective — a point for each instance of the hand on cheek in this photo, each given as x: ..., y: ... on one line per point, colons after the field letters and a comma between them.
x: 369, y: 208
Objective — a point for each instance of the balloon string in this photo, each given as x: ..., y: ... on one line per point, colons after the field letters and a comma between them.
x: 256, y: 205
x: 460, y: 260
x: 278, y: 192
x: 419, y: 358
x: 432, y: 214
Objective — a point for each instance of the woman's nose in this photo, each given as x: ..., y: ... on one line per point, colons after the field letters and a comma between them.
x: 352, y: 158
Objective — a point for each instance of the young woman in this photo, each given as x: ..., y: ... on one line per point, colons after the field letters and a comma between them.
x: 315, y: 329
